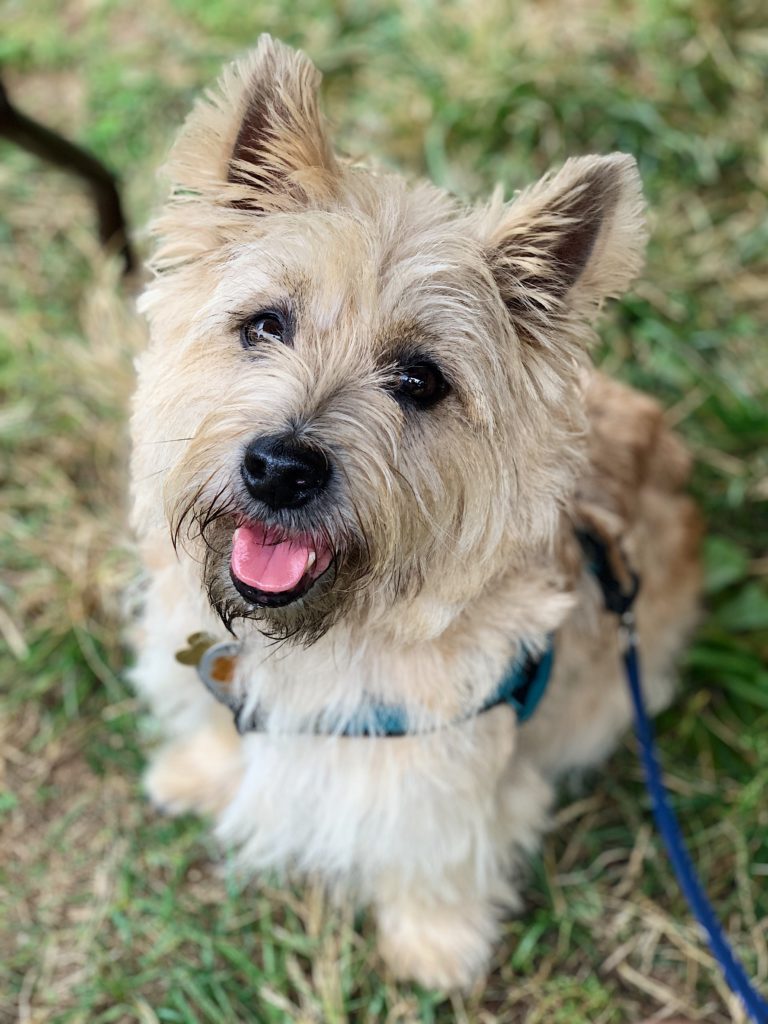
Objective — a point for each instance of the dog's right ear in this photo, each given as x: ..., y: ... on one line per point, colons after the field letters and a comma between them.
x: 569, y: 242
x: 258, y: 142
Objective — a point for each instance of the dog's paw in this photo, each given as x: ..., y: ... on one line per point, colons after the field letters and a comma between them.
x: 199, y: 773
x: 446, y: 947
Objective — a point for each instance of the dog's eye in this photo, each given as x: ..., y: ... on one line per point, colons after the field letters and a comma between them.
x: 421, y: 383
x: 265, y: 326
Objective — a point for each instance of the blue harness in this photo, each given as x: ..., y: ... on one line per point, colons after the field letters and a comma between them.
x: 521, y: 688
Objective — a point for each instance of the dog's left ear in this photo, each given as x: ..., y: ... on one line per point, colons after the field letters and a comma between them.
x: 258, y: 141
x: 569, y: 242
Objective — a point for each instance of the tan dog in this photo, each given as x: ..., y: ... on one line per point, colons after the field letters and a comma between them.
x: 364, y: 435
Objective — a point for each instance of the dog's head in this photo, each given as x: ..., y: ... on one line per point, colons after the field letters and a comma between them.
x: 360, y: 392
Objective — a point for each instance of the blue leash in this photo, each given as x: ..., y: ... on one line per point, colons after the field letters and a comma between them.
x: 669, y: 827
x: 619, y: 586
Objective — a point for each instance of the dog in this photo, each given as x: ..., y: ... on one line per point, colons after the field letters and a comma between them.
x: 366, y: 441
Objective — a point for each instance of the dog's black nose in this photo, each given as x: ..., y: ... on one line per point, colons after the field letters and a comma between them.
x: 282, y: 472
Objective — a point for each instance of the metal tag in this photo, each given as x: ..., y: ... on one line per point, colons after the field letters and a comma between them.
x: 216, y: 668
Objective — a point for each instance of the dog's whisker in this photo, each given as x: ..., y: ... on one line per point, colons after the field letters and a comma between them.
x: 167, y: 440
x: 150, y: 476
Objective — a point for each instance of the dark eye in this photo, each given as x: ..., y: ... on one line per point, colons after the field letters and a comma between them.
x: 265, y: 326
x: 421, y: 383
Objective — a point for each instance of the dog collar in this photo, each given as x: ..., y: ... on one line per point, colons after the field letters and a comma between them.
x: 521, y: 688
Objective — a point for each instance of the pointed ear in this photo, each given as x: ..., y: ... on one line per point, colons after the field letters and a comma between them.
x: 258, y: 141
x: 569, y: 242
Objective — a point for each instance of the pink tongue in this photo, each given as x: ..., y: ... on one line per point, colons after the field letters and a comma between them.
x: 261, y: 560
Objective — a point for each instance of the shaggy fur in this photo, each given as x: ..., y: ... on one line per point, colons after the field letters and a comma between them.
x: 451, y: 528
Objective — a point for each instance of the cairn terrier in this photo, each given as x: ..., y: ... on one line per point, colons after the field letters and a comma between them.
x: 366, y: 437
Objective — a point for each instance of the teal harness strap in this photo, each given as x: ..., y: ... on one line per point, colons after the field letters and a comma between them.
x: 524, y: 684
x: 521, y: 688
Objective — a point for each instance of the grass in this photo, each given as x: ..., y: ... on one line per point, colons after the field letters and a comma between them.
x: 113, y: 914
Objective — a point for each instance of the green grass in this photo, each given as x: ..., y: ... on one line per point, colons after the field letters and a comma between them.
x: 113, y: 914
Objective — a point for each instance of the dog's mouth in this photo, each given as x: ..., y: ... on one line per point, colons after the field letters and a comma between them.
x: 272, y: 568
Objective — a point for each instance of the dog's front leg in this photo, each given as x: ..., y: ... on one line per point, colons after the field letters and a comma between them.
x: 440, y: 943
x: 440, y: 926
x: 199, y: 772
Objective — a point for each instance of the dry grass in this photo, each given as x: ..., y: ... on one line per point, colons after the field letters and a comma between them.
x: 111, y: 914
